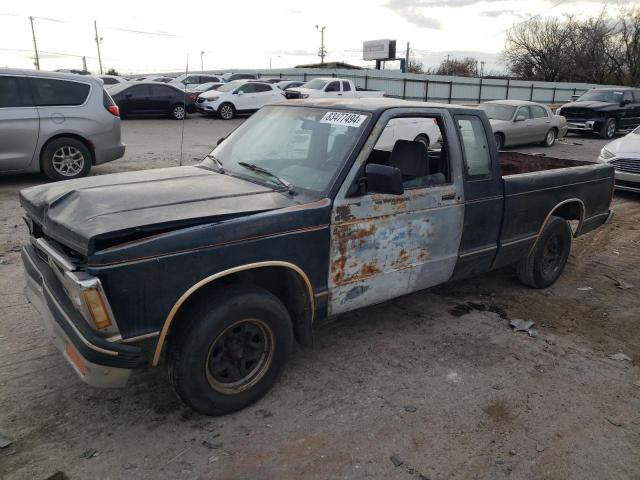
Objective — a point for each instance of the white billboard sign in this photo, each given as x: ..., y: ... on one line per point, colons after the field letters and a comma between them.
x: 379, y: 49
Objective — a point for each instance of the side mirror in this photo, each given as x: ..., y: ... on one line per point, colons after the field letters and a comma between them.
x: 240, y: 93
x: 383, y: 179
x: 625, y: 102
x: 220, y: 140
x: 520, y: 118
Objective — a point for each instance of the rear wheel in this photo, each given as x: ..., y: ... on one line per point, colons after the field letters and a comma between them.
x: 608, y: 129
x: 547, y: 261
x: 226, y: 111
x: 65, y: 159
x: 424, y: 139
x: 230, y: 349
x: 550, y: 138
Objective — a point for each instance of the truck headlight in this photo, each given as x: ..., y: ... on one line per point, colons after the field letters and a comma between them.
x: 606, y: 154
x: 97, y: 308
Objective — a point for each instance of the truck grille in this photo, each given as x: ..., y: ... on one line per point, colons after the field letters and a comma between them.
x: 576, y: 112
x: 626, y: 165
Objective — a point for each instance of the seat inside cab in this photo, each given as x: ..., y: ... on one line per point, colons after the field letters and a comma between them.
x: 414, y: 146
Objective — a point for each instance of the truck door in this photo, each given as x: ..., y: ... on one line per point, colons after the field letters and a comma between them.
x: 483, y: 196
x: 333, y: 89
x: 384, y: 245
x: 19, y: 124
x: 346, y: 89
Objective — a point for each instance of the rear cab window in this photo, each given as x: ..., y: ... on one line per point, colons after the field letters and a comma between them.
x: 48, y: 92
x: 475, y: 147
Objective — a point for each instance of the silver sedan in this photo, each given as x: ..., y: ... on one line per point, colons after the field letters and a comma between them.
x: 518, y: 122
x: 624, y: 155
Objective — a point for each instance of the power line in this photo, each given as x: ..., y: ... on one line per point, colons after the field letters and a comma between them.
x: 49, y: 53
x: 526, y: 20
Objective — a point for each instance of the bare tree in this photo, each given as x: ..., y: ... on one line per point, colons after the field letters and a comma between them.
x: 537, y: 49
x: 465, y: 67
x: 628, y: 57
x: 415, y: 66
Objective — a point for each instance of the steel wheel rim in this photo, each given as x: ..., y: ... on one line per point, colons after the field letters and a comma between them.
x: 68, y: 161
x: 611, y: 129
x: 178, y: 111
x: 225, y: 111
x: 551, y: 136
x: 552, y: 256
x: 240, y: 356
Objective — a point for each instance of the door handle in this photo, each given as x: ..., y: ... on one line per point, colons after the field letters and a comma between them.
x: 339, y: 94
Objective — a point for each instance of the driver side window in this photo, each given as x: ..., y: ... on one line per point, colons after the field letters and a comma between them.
x: 414, y: 146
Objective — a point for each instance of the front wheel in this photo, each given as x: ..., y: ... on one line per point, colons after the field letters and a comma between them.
x: 545, y: 263
x: 226, y: 111
x: 178, y: 112
x: 499, y: 139
x: 230, y: 349
x: 608, y: 130
x: 550, y: 138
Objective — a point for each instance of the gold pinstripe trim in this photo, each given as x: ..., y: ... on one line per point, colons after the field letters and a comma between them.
x: 224, y: 273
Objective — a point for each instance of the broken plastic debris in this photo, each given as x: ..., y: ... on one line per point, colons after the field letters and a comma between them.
x: 520, y: 325
x: 585, y: 289
x: 619, y: 356
x: 5, y: 442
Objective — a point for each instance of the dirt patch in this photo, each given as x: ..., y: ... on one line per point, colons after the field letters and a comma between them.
x: 499, y: 411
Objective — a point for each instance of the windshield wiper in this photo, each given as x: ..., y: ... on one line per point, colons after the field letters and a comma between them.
x: 217, y: 162
x: 256, y: 168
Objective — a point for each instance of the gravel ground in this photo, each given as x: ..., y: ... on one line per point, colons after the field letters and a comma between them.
x: 432, y: 385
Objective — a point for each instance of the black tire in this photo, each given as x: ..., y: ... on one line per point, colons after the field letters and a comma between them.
x: 226, y: 111
x: 213, y: 328
x: 178, y: 111
x: 65, y: 159
x: 550, y: 138
x: 547, y: 261
x: 424, y: 139
x: 608, y: 129
x: 499, y: 139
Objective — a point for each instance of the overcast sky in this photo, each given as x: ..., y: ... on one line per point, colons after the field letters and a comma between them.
x: 247, y: 34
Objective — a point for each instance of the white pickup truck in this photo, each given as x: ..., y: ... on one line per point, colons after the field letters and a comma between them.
x: 331, y: 87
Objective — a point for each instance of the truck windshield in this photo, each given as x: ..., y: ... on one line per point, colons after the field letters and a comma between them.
x: 609, y: 96
x: 498, y: 112
x: 316, y: 84
x: 305, y: 147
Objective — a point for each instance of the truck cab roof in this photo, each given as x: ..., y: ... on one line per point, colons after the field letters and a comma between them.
x: 374, y: 105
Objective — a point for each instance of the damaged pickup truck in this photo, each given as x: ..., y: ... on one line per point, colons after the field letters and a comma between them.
x: 296, y: 217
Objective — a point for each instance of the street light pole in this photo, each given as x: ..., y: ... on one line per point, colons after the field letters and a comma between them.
x: 322, y: 51
x: 202, y: 61
x: 35, y: 45
x: 98, y: 40
x: 270, y: 58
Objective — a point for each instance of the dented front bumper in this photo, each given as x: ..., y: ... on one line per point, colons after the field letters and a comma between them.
x: 97, y: 361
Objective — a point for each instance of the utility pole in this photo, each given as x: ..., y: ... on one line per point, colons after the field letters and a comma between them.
x: 35, y: 45
x: 98, y: 40
x: 407, y: 56
x: 202, y: 61
x: 322, y: 51
x: 482, y: 69
x: 84, y: 64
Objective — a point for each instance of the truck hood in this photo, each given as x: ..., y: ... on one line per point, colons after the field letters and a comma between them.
x: 118, y: 207
x: 590, y: 104
x: 309, y: 91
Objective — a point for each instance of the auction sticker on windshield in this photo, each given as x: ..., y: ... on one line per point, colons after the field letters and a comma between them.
x: 343, y: 118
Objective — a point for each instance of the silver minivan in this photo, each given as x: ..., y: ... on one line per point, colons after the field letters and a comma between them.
x: 56, y: 123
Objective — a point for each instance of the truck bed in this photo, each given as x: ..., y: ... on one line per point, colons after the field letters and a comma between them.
x: 514, y: 163
x: 534, y: 185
